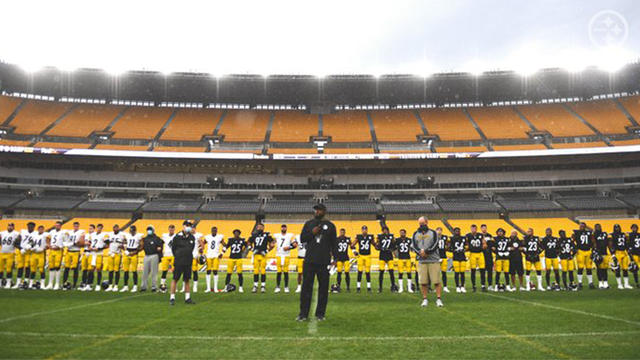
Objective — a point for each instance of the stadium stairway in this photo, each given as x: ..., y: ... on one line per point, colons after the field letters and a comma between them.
x: 50, y: 126
x: 162, y: 129
x: 10, y: 118
x: 485, y: 140
x: 111, y: 124
x: 589, y: 125
x: 530, y: 124
x: 625, y: 112
x: 514, y: 225
x: 267, y: 135
x: 374, y: 138
x: 425, y: 131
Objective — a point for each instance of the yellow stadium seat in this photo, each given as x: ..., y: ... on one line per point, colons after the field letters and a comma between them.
x: 632, y: 105
x: 449, y: 124
x: 293, y: 126
x: 8, y: 105
x: 36, y: 115
x: 245, y: 125
x: 141, y: 123
x: 578, y: 145
x: 603, y: 115
x: 347, y: 126
x: 555, y: 119
x: 607, y: 224
x: 519, y: 147
x: 395, y: 125
x: 500, y: 123
x: 192, y: 124
x: 121, y: 147
x: 85, y: 119
x: 539, y: 225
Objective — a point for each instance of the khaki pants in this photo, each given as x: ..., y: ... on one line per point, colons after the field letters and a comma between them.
x: 429, y: 273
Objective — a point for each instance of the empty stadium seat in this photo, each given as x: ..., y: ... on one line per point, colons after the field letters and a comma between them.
x: 121, y: 147
x: 111, y: 205
x: 36, y: 115
x: 61, y: 145
x: 539, y: 225
x: 492, y: 225
x: 554, y: 119
x: 8, y: 105
x: 603, y: 115
x: 141, y: 122
x: 292, y: 151
x: 578, y: 145
x: 449, y: 124
x: 293, y: 126
x: 395, y: 125
x: 525, y: 202
x: 180, y: 148
x: 85, y: 119
x: 626, y: 142
x: 245, y: 125
x: 347, y: 126
x: 348, y: 150
x: 607, y: 224
x: 192, y: 124
x: 500, y: 123
x: 632, y: 105
x: 8, y: 142
x: 455, y: 149
x: 519, y: 147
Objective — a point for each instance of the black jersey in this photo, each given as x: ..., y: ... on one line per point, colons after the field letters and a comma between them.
x: 602, y: 242
x: 566, y: 248
x: 550, y: 247
x: 457, y: 247
x: 236, y: 246
x: 475, y: 242
x: 619, y: 241
x: 442, y: 246
x: 403, y: 244
x: 634, y: 243
x: 260, y: 242
x: 344, y: 242
x: 489, y: 240
x: 583, y: 239
x: 364, y: 243
x: 501, y: 247
x: 515, y: 254
x: 532, y: 248
x: 385, y: 245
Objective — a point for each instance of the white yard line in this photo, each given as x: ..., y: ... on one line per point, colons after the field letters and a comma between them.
x: 574, y: 311
x: 447, y: 338
x: 26, y: 316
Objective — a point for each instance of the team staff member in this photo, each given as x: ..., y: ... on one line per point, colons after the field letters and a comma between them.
x: 403, y: 244
x: 425, y: 244
x: 319, y: 237
x: 182, y: 247
x: 152, y: 247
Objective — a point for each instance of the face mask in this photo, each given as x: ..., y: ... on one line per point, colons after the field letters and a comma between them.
x: 423, y: 227
x: 150, y: 232
x: 187, y: 228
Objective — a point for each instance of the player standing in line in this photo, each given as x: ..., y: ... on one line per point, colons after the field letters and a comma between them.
x: 133, y: 245
x: 86, y: 258
x: 284, y: 243
x: 9, y: 241
x: 476, y: 245
x: 302, y: 251
x: 550, y: 248
x: 195, y: 262
x: 364, y: 242
x: 56, y: 239
x: 403, y: 244
x: 634, y: 252
x: 74, y: 243
x: 385, y: 245
x: 442, y: 250
x: 38, y: 248
x: 515, y: 260
x: 212, y: 243
x: 342, y: 262
x: 584, y: 241
x: 23, y: 255
x: 532, y: 250
x: 96, y: 251
x: 115, y: 240
x: 601, y: 245
x: 567, y: 248
x: 261, y: 243
x: 458, y: 247
x: 501, y: 247
x: 236, y: 246
x: 167, y: 257
x: 488, y: 255
x: 621, y: 255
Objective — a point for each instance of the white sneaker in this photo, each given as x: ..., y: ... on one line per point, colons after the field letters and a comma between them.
x: 115, y: 288
x: 263, y: 289
x: 277, y: 290
x: 410, y: 289
x: 87, y: 288
x: 47, y: 287
x: 56, y: 287
x: 523, y: 289
x: 458, y: 290
x: 400, y: 291
x: 194, y: 289
x: 16, y: 285
x: 463, y: 290
x: 8, y: 285
x: 125, y: 289
x: 298, y: 289
x: 134, y: 288
x: 446, y: 289
x: 439, y: 303
x: 627, y: 286
x: 620, y: 287
x: 208, y: 291
x: 425, y: 303
x: 541, y: 289
x: 97, y: 288
x: 286, y: 290
x: 240, y: 289
x: 109, y: 289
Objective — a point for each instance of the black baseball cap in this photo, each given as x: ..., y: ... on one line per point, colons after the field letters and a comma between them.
x: 319, y: 207
x: 186, y: 223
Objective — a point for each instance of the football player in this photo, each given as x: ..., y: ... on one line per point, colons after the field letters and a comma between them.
x: 476, y: 245
x: 550, y: 248
x: 502, y: 248
x: 260, y: 243
x: 212, y: 243
x: 342, y: 262
x: 634, y: 243
x: 86, y: 259
x: 23, y: 255
x: 195, y: 263
x: 515, y: 260
x: 532, y: 250
x: 75, y: 241
x: 458, y: 246
x: 36, y: 263
x: 284, y: 243
x: 167, y: 257
x: 9, y: 241
x: 601, y: 245
x: 567, y: 250
x: 385, y: 245
x: 488, y: 254
x: 56, y: 239
x: 583, y: 238
x: 621, y: 246
x: 403, y: 244
x: 364, y: 242
x: 442, y: 250
x: 132, y: 247
x: 96, y: 251
x: 115, y: 240
x: 300, y: 265
x: 236, y: 246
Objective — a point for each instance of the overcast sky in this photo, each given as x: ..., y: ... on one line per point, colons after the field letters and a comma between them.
x: 321, y: 37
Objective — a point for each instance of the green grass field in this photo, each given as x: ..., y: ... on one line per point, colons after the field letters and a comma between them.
x: 73, y: 324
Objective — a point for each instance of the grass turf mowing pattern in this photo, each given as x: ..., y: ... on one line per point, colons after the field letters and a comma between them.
x: 73, y: 324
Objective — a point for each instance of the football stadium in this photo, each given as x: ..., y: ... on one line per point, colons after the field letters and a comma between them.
x: 171, y: 187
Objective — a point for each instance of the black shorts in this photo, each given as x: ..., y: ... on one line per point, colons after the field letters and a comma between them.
x: 516, y: 268
x: 182, y: 270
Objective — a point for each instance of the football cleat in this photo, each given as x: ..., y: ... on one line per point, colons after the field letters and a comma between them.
x: 172, y: 301
x: 229, y: 288
x: 97, y: 288
x: 298, y: 289
x: 424, y: 303
x: 263, y: 289
x: 439, y: 303
x: 277, y: 290
x: 189, y: 301
x: 591, y: 286
x: 240, y: 289
x: 163, y: 288
x: 463, y: 290
x: 254, y: 289
x: 125, y: 289
x: 134, y: 288
x: 286, y: 290
x: 301, y: 318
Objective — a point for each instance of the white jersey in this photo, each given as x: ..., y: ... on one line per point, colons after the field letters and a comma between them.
x: 213, y: 245
x: 196, y: 244
x: 26, y: 239
x: 97, y: 241
x: 74, y: 237
x: 87, y: 241
x: 39, y: 242
x: 115, y: 241
x: 8, y: 240
x: 58, y: 238
x: 166, y: 249
x: 301, y: 250
x: 132, y: 241
x: 282, y: 241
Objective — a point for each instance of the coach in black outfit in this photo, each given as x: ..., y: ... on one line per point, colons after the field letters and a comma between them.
x: 319, y: 237
x: 182, y: 247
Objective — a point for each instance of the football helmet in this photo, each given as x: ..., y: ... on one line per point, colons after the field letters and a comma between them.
x: 335, y: 288
x: 596, y: 257
x: 202, y: 260
x: 229, y: 288
x: 104, y: 285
